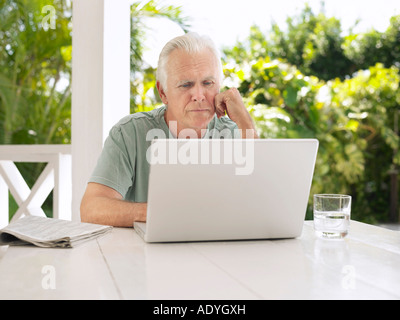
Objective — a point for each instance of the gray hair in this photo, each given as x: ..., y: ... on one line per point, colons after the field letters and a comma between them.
x: 190, y: 42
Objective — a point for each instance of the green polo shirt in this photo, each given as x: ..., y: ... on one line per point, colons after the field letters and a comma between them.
x: 122, y: 164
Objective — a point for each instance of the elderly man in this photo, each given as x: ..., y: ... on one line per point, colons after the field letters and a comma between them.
x: 189, y: 78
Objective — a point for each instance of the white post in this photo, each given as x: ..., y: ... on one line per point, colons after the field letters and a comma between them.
x: 4, y: 205
x: 100, y: 82
x: 62, y: 192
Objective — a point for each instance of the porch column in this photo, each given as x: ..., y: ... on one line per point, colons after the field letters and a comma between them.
x: 100, y: 82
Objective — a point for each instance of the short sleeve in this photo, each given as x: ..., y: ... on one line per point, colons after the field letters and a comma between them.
x: 115, y: 169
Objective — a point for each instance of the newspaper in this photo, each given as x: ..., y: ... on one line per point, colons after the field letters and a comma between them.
x: 50, y: 232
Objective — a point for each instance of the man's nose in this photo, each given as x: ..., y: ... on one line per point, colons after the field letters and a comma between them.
x: 198, y: 94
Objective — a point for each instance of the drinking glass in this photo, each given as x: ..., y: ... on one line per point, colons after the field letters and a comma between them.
x: 332, y: 215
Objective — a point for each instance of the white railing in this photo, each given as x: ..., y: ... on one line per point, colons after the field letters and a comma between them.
x: 56, y: 176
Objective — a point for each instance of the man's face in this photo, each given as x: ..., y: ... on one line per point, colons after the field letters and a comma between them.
x: 192, y: 84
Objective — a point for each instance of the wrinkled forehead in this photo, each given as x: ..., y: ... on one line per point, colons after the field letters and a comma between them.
x: 202, y: 64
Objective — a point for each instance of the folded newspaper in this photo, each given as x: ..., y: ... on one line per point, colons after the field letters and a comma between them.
x: 50, y: 232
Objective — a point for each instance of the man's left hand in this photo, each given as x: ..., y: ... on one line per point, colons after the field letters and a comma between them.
x: 231, y: 102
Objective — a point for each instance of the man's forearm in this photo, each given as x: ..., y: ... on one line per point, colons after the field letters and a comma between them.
x: 247, y: 129
x: 113, y: 212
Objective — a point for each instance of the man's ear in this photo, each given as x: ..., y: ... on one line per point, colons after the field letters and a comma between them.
x: 162, y: 94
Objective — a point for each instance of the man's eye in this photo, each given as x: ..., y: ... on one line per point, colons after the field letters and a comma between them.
x: 186, y: 85
x: 208, y: 83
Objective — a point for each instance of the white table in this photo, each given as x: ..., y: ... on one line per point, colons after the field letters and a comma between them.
x: 366, y: 265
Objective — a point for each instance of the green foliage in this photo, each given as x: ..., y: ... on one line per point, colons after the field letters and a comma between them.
x: 34, y: 108
x: 371, y: 102
x: 353, y: 120
x: 35, y: 105
x: 143, y: 82
x: 311, y: 42
x: 372, y: 47
x: 35, y: 64
x: 316, y: 45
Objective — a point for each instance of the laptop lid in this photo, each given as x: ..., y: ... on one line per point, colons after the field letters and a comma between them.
x: 228, y: 189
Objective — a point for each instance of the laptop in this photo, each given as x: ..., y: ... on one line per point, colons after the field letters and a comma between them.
x: 227, y: 189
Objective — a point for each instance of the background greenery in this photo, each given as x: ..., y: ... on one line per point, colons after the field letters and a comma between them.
x: 309, y: 79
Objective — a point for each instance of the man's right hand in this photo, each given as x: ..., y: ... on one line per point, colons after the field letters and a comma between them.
x: 103, y: 205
